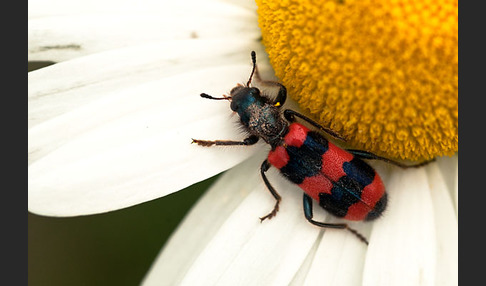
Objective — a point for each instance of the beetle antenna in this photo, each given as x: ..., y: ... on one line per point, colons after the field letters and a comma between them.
x: 205, y: 95
x: 253, y: 60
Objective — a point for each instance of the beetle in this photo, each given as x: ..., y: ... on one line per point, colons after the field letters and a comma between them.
x: 338, y: 179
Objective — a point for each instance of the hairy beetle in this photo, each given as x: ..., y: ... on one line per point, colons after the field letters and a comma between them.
x: 339, y: 180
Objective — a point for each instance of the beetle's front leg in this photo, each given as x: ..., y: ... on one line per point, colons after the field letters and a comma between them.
x: 282, y: 90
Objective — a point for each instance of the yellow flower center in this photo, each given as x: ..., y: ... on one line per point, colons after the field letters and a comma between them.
x: 383, y: 73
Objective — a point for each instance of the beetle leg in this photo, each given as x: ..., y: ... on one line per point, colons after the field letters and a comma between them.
x: 265, y: 166
x: 309, y: 215
x: 290, y: 116
x: 370, y: 156
x: 282, y: 90
x: 247, y: 142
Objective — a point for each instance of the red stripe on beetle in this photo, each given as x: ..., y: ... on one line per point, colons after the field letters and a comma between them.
x: 370, y: 195
x: 315, y: 185
x: 278, y: 157
x: 296, y: 135
x: 333, y: 160
x: 357, y: 211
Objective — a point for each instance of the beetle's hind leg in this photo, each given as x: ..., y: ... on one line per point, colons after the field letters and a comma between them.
x: 309, y: 215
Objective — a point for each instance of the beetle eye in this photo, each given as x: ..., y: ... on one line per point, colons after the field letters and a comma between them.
x: 254, y: 91
x: 234, y: 105
x: 236, y: 88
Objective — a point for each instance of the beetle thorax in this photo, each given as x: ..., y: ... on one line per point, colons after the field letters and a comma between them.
x: 266, y: 122
x: 258, y: 116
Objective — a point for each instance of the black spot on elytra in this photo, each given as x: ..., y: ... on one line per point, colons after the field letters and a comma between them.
x: 344, y: 193
x: 306, y: 160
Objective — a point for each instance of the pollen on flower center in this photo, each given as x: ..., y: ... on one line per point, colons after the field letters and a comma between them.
x: 382, y: 73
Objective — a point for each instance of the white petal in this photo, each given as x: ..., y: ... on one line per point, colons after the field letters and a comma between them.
x: 201, y: 224
x: 403, y: 247
x: 66, y: 86
x: 449, y: 167
x: 446, y: 226
x: 339, y: 259
x: 75, y: 29
x: 238, y: 249
x: 301, y: 275
x: 456, y: 190
x: 131, y: 145
x: 44, y: 8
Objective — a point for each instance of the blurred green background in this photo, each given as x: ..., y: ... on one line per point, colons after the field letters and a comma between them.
x: 115, y: 248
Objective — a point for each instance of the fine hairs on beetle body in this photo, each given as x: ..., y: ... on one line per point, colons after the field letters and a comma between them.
x: 338, y: 179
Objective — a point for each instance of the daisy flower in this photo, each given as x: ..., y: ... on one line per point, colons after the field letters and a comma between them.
x: 111, y: 122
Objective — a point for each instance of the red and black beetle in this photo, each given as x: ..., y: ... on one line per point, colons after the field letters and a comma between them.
x: 338, y: 179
